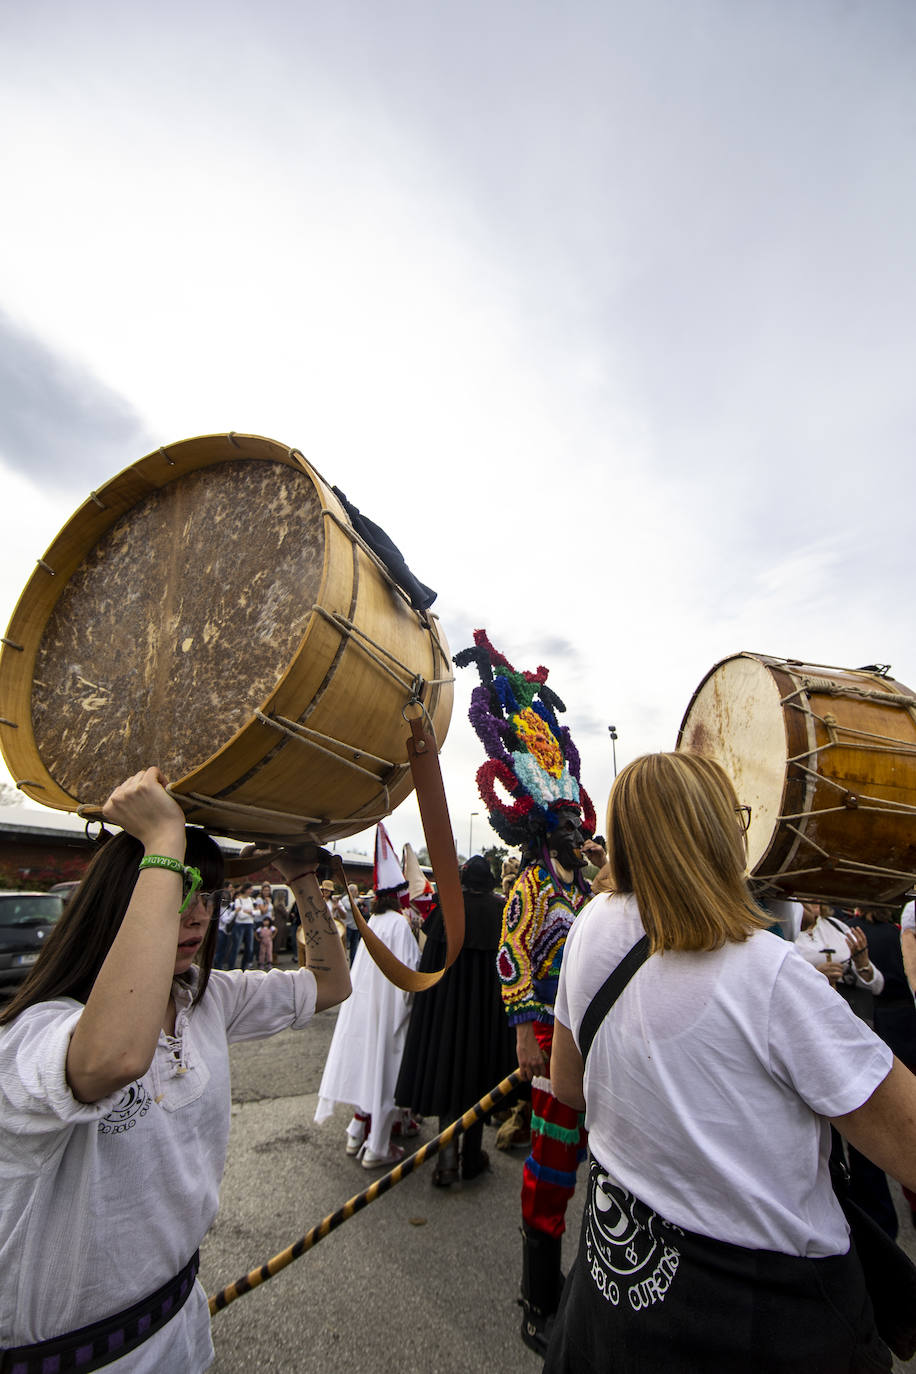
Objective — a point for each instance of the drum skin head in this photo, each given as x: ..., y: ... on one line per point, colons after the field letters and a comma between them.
x: 736, y: 718
x: 178, y: 625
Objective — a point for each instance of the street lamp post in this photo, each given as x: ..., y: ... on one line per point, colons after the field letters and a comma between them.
x: 471, y: 833
x: 612, y: 731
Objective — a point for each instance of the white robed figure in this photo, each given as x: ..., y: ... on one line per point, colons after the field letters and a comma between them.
x: 365, y: 1055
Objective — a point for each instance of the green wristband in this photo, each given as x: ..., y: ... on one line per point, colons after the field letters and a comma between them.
x: 190, y: 876
x: 162, y: 861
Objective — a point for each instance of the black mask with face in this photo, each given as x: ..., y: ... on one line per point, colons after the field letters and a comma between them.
x: 565, y: 841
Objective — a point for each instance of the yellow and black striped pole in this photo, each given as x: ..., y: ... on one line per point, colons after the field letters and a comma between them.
x: 356, y: 1204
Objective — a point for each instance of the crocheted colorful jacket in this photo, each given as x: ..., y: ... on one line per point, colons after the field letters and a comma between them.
x: 536, y: 919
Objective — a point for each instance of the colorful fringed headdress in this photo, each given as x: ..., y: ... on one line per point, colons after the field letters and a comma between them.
x: 530, y: 753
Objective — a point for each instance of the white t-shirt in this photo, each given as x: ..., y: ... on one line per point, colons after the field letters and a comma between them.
x: 244, y: 911
x: 103, y: 1203
x: 709, y: 1082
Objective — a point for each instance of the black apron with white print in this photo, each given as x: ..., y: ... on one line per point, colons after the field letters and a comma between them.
x: 645, y: 1297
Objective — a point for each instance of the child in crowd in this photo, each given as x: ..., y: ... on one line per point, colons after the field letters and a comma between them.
x: 265, y: 937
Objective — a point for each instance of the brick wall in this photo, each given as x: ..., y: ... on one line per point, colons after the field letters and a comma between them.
x: 37, y: 864
x: 34, y: 862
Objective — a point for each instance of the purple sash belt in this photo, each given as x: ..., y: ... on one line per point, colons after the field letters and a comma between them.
x: 92, y: 1347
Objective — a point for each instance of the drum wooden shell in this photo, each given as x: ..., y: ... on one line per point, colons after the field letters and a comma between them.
x: 212, y: 610
x: 826, y: 759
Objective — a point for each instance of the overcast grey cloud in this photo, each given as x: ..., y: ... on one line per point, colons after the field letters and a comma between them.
x: 57, y: 421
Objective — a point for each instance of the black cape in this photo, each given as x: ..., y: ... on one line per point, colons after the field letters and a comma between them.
x: 459, y: 1043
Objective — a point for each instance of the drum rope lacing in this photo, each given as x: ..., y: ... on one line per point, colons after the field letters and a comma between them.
x: 342, y: 622
x: 291, y: 729
x: 854, y: 739
x: 824, y: 687
x: 301, y: 733
x: 243, y: 809
x: 848, y: 865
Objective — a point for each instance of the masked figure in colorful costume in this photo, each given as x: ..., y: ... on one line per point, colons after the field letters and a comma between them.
x: 547, y: 813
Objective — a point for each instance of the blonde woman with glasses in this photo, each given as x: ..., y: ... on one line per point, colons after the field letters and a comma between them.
x: 712, y: 1238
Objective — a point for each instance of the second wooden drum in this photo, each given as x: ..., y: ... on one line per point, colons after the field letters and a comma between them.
x: 826, y: 759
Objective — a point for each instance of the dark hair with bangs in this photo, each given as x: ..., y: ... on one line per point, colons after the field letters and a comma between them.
x: 79, y: 943
x: 677, y: 845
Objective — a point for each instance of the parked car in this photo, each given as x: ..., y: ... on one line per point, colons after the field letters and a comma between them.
x: 65, y: 889
x: 26, y: 918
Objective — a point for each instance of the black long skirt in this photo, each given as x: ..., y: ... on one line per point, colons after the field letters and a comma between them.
x: 459, y: 1044
x: 644, y: 1297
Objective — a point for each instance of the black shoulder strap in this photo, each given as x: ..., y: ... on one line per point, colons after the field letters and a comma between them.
x: 608, y: 993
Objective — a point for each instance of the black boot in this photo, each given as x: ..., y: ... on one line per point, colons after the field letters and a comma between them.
x: 542, y: 1284
x: 446, y: 1170
x: 474, y: 1159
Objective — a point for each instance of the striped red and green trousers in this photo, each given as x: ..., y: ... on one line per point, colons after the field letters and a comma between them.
x: 558, y: 1145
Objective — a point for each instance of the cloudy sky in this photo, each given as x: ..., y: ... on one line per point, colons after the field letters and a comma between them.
x: 605, y: 311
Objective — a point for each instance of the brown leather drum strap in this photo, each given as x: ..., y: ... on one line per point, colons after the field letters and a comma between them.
x: 440, y: 844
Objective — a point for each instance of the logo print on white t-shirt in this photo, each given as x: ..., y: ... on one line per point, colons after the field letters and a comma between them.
x: 133, y: 1103
x: 628, y: 1258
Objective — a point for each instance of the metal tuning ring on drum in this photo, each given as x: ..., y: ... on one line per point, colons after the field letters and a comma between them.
x: 103, y: 835
x: 415, y: 709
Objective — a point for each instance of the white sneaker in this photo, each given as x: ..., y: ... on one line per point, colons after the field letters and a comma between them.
x: 373, y: 1161
x: 356, y: 1134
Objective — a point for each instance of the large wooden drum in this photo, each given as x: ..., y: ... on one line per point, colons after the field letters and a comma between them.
x: 211, y: 609
x: 826, y: 760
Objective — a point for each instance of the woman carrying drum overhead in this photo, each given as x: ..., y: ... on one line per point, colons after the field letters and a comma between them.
x: 114, y: 1095
x: 712, y: 1238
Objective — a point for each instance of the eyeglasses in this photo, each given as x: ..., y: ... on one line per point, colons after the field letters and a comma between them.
x: 744, y: 817
x: 212, y: 902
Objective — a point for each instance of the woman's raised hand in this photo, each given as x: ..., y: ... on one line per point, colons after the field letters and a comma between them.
x: 142, y: 807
